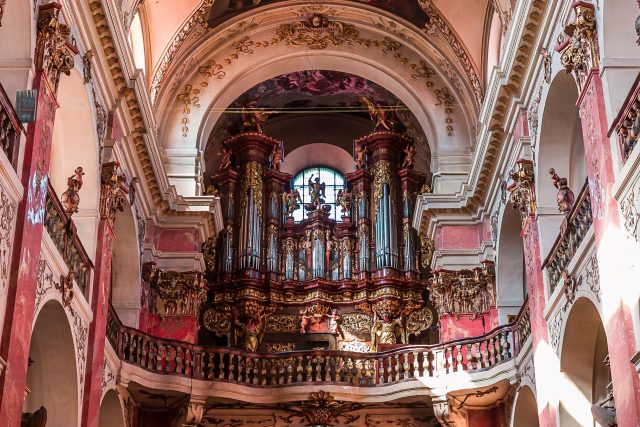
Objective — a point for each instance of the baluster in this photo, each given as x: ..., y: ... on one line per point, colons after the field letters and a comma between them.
x: 494, y: 347
x: 309, y: 360
x: 414, y: 364
x: 327, y: 368
x: 381, y: 369
x: 348, y: 370
x: 223, y: 366
x: 459, y: 359
x: 290, y: 367
x: 396, y: 367
x: 298, y: 369
x: 368, y: 367
x: 281, y: 370
x: 333, y: 370
x: 169, y: 355
x: 405, y: 366
x: 506, y: 346
x: 338, y: 369
x: 210, y: 366
x: 232, y: 359
x: 273, y: 373
x: 317, y: 363
x: 242, y: 377
x: 179, y: 368
x: 263, y: 372
x: 254, y: 364
x: 485, y: 353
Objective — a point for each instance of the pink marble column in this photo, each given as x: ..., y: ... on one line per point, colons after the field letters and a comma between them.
x: 21, y: 292
x: 606, y: 219
x: 113, y: 197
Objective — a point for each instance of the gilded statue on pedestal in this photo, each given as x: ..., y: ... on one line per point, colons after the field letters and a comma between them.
x: 316, y: 191
x: 291, y: 201
x: 70, y: 198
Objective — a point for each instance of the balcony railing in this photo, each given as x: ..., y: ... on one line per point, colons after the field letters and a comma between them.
x: 10, y: 128
x: 65, y: 236
x: 627, y: 124
x: 572, y: 232
x: 303, y: 367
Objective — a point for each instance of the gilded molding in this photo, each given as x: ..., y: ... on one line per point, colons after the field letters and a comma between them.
x: 578, y: 47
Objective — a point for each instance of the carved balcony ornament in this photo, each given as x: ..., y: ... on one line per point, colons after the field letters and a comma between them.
x: 571, y: 285
x: 312, y: 315
x: 578, y: 47
x: 114, y: 192
x: 66, y: 288
x: 464, y: 292
x: 175, y: 293
x: 218, y: 320
x: 565, y: 197
x: 70, y: 198
x: 209, y: 253
x: 522, y: 189
x: 321, y: 409
x: 427, y: 248
x: 54, y: 49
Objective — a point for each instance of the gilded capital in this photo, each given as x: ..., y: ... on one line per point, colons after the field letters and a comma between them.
x: 578, y: 47
x: 114, y: 192
x: 54, y: 49
x: 523, y: 189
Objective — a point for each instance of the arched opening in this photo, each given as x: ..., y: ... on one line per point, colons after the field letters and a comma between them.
x: 583, y: 364
x: 125, y: 269
x: 333, y: 180
x: 111, y: 414
x: 136, y: 40
x: 51, y: 377
x: 510, y: 280
x: 561, y: 148
x: 493, y: 43
x: 75, y: 143
x: 525, y: 412
x: 332, y: 156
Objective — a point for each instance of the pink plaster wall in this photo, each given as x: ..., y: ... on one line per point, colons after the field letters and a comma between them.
x: 176, y: 240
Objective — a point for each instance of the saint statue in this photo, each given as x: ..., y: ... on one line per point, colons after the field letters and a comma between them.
x: 379, y: 116
x: 344, y: 198
x: 225, y: 158
x: 316, y: 191
x: 334, y: 323
x: 253, y: 118
x: 361, y: 156
x: 409, y: 153
x: 386, y: 330
x: 276, y: 157
x: 565, y: 197
x: 291, y: 201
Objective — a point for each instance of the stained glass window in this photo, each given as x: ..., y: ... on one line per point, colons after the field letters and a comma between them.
x: 333, y: 181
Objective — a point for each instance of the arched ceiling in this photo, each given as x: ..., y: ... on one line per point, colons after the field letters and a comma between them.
x: 170, y: 24
x: 315, y: 106
x: 394, y: 52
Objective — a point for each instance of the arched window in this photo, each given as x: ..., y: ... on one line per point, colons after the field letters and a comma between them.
x: 334, y: 182
x: 136, y: 40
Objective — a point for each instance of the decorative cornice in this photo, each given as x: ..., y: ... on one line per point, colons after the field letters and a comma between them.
x: 128, y: 98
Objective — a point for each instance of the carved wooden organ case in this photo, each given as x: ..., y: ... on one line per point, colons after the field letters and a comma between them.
x: 279, y: 285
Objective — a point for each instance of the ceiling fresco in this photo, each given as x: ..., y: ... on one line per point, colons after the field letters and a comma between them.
x: 406, y: 9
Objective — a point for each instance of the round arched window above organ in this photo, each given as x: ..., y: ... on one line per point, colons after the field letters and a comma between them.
x: 333, y: 181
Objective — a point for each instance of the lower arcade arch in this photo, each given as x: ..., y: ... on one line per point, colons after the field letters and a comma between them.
x: 510, y: 279
x: 584, y: 366
x: 525, y: 410
x: 52, y: 380
x: 111, y: 413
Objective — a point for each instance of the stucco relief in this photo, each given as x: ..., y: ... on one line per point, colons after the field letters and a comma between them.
x: 7, y: 217
x: 555, y: 329
x: 108, y: 377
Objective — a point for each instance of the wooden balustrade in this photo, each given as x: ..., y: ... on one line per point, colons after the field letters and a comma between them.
x: 335, y: 367
x: 627, y: 124
x: 65, y: 236
x: 10, y: 128
x: 575, y: 227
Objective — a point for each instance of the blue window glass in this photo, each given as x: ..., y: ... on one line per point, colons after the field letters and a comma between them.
x: 333, y: 181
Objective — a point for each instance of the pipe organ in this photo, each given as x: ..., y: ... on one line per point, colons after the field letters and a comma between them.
x: 319, y: 283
